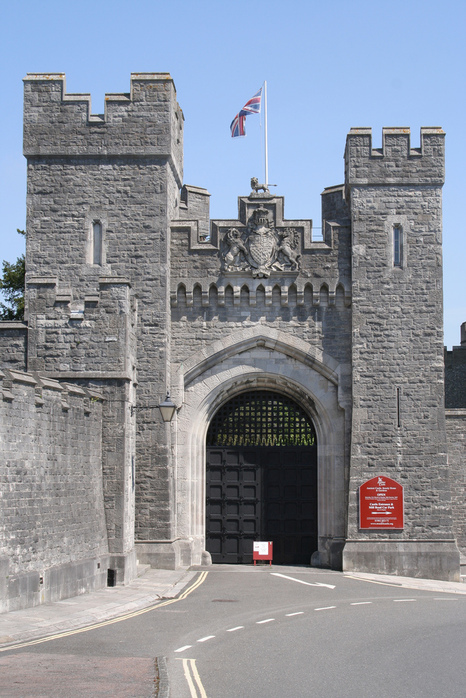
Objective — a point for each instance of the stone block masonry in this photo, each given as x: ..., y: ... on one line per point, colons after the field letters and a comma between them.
x: 455, y: 373
x: 123, y: 170
x: 398, y: 424
x: 53, y: 538
x: 456, y: 436
x: 13, y: 344
x: 137, y: 123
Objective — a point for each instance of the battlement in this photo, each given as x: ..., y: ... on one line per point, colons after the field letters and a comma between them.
x: 396, y: 162
x: 259, y: 293
x: 145, y: 122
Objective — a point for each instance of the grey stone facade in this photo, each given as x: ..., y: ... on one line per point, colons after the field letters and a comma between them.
x: 398, y: 423
x: 53, y: 537
x: 132, y: 290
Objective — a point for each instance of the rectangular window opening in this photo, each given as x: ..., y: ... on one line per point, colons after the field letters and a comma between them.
x: 97, y: 242
x: 397, y: 246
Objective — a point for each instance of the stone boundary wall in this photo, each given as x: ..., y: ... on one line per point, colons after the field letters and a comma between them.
x: 53, y: 539
x: 456, y: 440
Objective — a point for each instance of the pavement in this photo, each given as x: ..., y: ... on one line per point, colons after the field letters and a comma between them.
x: 86, y: 610
x: 435, y: 585
x: 152, y: 585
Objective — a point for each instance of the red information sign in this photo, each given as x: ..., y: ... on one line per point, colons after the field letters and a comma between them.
x: 381, y: 504
x: 262, y: 550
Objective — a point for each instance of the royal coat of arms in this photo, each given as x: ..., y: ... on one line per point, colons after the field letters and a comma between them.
x: 261, y: 248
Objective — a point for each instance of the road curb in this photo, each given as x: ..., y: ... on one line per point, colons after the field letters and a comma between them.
x: 410, y: 582
x: 163, y: 688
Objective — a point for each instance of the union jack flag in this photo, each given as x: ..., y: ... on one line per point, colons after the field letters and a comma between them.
x: 252, y: 106
x: 237, y: 126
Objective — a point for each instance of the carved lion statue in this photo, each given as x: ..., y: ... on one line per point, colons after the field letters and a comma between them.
x: 256, y: 187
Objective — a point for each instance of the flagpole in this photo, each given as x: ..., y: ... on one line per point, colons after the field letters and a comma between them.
x: 265, y: 136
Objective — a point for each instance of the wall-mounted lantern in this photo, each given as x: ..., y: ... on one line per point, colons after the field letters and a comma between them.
x: 167, y: 408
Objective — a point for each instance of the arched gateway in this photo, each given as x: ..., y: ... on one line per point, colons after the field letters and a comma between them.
x: 261, y: 479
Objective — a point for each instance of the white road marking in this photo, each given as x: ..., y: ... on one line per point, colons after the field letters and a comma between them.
x: 300, y: 581
x: 270, y: 620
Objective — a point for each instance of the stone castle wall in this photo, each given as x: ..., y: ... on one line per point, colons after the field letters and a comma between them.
x: 456, y: 437
x: 455, y: 402
x: 241, y: 328
x: 53, y: 538
x: 13, y: 344
x: 124, y: 170
x: 315, y: 301
x: 397, y: 350
x: 455, y: 373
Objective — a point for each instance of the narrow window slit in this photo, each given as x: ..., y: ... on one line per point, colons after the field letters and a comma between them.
x: 97, y: 242
x: 398, y: 407
x: 397, y: 246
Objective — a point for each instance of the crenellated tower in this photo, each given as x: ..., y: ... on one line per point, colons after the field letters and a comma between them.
x: 398, y: 422
x: 102, y: 190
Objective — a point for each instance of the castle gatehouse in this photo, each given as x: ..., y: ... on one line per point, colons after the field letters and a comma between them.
x: 305, y: 368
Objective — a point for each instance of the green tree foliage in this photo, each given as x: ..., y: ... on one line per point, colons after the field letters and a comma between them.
x: 12, y: 288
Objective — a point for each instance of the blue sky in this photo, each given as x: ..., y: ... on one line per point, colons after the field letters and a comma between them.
x: 329, y: 66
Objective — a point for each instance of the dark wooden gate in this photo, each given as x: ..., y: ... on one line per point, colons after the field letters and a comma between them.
x: 261, y: 480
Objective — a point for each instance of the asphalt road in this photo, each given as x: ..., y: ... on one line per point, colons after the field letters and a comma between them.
x: 245, y: 631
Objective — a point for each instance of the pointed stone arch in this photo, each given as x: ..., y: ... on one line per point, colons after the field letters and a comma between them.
x: 260, y: 358
x: 264, y: 337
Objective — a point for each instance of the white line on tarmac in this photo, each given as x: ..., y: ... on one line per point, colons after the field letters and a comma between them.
x: 402, y: 600
x: 360, y: 603
x: 298, y: 613
x: 182, y: 649
x: 238, y: 627
x: 268, y: 620
x: 300, y: 581
x: 324, y: 608
x: 207, y: 637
